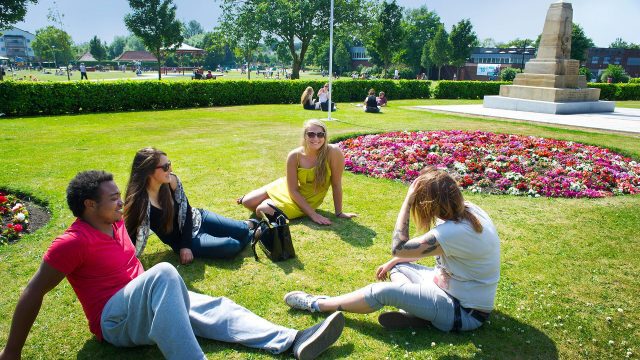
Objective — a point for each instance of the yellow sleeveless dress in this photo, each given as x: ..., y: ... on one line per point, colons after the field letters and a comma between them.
x: 279, y: 193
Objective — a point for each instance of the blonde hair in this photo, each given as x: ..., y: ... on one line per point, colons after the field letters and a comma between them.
x: 307, y: 93
x: 437, y: 195
x: 323, y: 153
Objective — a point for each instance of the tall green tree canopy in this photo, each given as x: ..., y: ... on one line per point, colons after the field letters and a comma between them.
x: 619, y: 43
x: 439, y: 49
x: 53, y: 44
x: 97, y: 49
x: 116, y: 47
x: 239, y: 23
x: 461, y: 41
x: 192, y: 28
x: 420, y: 26
x: 387, y: 34
x: 579, y: 43
x: 154, y: 21
x: 13, y: 11
x: 134, y: 43
x: 293, y: 21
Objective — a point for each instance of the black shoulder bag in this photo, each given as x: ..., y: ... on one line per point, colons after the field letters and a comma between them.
x: 275, y: 239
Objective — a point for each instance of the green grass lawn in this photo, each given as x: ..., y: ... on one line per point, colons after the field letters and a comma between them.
x: 116, y: 75
x: 567, y: 264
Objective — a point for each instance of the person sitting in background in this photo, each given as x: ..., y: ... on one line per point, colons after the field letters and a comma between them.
x: 209, y: 75
x: 370, y: 103
x: 307, y: 100
x: 381, y: 100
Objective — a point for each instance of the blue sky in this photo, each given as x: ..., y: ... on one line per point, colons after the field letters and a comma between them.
x: 501, y: 20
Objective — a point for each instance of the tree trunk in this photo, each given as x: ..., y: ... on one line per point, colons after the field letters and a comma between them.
x: 159, y: 65
x: 295, y: 69
x: 439, y: 68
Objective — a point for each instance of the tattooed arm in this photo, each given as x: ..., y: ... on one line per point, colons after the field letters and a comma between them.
x: 402, y: 246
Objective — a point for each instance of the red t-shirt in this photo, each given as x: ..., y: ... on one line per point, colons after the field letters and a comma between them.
x: 96, y: 265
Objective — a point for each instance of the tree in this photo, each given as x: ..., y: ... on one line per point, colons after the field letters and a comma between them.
x: 134, y: 43
x: 342, y: 58
x: 293, y: 21
x: 116, y: 47
x: 586, y: 72
x: 13, y: 11
x: 154, y: 21
x: 488, y: 43
x: 97, y: 49
x: 461, y: 41
x: 420, y: 26
x: 616, y: 73
x: 579, y: 43
x: 242, y: 31
x: 621, y: 44
x: 387, y: 34
x: 192, y: 28
x: 439, y: 49
x: 53, y: 44
x: 425, y: 59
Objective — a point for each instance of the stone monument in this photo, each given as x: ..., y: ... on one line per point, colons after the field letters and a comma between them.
x: 550, y: 83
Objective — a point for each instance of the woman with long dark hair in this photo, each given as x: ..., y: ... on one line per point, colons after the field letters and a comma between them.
x: 459, y: 293
x: 311, y: 169
x: 155, y: 200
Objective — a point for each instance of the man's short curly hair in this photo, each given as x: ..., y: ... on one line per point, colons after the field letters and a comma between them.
x: 85, y: 185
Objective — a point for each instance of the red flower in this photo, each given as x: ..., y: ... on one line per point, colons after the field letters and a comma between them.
x: 17, y: 227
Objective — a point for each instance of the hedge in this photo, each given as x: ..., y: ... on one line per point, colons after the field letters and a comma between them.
x: 618, y: 91
x: 49, y: 98
x: 467, y: 89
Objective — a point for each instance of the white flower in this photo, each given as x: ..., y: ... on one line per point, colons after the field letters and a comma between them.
x: 20, y: 217
x: 611, y: 342
x: 433, y: 344
x: 620, y: 310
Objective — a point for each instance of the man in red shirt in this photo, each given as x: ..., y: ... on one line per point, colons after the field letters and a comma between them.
x: 127, y: 306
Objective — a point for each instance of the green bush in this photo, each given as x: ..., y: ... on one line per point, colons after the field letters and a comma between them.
x: 617, y: 91
x: 508, y: 74
x: 29, y: 98
x: 467, y: 89
x: 634, y: 81
x: 616, y: 73
x: 586, y: 72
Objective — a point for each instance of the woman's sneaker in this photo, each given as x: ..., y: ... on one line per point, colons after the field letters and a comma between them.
x: 311, y: 342
x: 301, y: 300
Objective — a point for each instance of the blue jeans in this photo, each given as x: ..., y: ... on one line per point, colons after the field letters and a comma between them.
x: 420, y: 297
x: 220, y: 237
x: 156, y: 308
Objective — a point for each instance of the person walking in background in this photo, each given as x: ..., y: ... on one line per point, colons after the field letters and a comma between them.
x: 83, y: 72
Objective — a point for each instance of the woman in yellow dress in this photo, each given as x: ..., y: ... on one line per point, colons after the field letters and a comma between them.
x: 311, y: 169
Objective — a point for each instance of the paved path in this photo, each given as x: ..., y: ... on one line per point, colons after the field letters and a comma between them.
x: 622, y: 120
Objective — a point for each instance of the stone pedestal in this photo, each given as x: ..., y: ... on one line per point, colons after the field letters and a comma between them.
x: 548, y: 107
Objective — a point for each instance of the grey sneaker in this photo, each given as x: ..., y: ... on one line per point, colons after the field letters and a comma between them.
x: 301, y: 300
x: 311, y: 342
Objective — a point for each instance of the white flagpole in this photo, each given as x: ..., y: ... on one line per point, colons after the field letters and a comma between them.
x: 330, y: 61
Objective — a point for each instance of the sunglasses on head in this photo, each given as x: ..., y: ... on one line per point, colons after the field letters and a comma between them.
x: 165, y: 167
x: 312, y: 135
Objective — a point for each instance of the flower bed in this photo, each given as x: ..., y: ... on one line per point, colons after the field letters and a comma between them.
x: 496, y: 163
x: 14, y: 218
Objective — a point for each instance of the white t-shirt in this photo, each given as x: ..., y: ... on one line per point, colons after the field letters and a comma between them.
x: 323, y: 96
x: 469, y: 270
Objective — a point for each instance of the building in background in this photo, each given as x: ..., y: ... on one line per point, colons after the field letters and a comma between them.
x: 598, y: 59
x: 15, y: 44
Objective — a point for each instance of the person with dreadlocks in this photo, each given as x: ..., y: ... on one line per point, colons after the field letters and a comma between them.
x: 458, y: 294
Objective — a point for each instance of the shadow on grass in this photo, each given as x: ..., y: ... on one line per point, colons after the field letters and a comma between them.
x: 503, y: 337
x: 348, y: 230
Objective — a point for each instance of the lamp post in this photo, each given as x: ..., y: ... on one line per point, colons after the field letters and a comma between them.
x: 524, y: 51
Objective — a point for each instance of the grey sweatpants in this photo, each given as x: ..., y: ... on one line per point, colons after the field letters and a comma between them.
x: 156, y: 308
x: 420, y: 297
